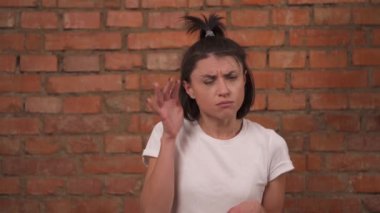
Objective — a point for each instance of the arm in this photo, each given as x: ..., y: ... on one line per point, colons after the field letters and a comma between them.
x: 158, y: 191
x: 273, y: 199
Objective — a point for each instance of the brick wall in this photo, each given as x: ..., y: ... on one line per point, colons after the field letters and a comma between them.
x: 74, y: 75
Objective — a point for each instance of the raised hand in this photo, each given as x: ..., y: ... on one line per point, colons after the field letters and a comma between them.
x: 165, y: 102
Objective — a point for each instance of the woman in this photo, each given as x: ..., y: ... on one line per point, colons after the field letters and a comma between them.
x: 214, y: 160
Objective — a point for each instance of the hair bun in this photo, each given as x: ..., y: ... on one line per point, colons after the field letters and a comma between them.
x: 208, y: 27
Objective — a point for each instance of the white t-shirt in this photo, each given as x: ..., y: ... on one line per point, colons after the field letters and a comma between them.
x: 214, y: 175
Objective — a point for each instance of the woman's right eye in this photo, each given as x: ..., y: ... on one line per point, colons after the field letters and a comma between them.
x: 208, y: 81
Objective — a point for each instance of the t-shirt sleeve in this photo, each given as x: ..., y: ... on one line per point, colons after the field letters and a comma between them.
x: 279, y: 157
x: 152, y: 148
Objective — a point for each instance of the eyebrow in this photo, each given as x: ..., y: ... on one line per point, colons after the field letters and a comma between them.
x: 214, y: 76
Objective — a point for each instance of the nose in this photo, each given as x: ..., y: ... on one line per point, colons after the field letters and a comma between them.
x: 223, y: 89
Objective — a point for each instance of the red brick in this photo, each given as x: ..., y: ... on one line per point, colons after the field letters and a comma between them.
x: 372, y: 123
x: 82, y: 40
x: 9, y: 146
x: 269, y: 80
x: 328, y: 101
x: 156, y: 40
x: 78, y: 84
x: 165, y: 20
x: 43, y: 104
x: 15, y: 126
x: 200, y: 13
x: 34, y: 41
x: 281, y: 101
x: 124, y: 19
x: 82, y: 145
x: 132, y: 81
x: 7, y: 19
x: 364, y: 100
x: 81, y: 63
x: 295, y: 142
x: 342, y: 122
x: 147, y: 121
x: 364, y: 143
x: 163, y: 3
x: 132, y: 204
x: 163, y: 61
x: 42, y: 166
x: 81, y: 124
x: 147, y: 80
x: 81, y: 20
x: 7, y: 63
x: 324, y: 1
x: 372, y: 203
x: 46, y: 186
x: 328, y: 59
x: 122, y: 143
x: 352, y: 162
x: 10, y: 104
x: 376, y: 37
x: 326, y: 142
x: 320, y: 37
x: 113, y: 164
x: 122, y: 185
x: 366, y: 183
x: 9, y: 185
x: 19, y: 3
x: 258, y: 37
x: 299, y: 162
x: 249, y: 18
x: 42, y: 145
x: 39, y: 20
x: 314, y: 162
x: 295, y: 183
x: 332, y: 16
x: 79, y: 4
x: 291, y: 16
x: 322, y: 204
x: 325, y: 183
x: 122, y: 61
x: 84, y: 186
x: 23, y: 84
x: 360, y: 38
x: 82, y: 104
x: 131, y: 3
x: 39, y: 63
x: 375, y: 80
x: 298, y: 123
x: 366, y: 56
x: 256, y: 59
x: 12, y: 41
x: 366, y: 16
x: 268, y: 121
x: 260, y: 102
x: 125, y: 103
x: 329, y: 79
x: 287, y: 59
x: 49, y: 3
x: 261, y: 2
x: 83, y: 205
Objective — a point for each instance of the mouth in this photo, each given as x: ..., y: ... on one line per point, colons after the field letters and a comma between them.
x: 225, y: 104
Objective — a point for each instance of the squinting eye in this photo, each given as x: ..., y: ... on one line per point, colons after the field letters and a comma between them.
x: 208, y: 82
x: 232, y: 77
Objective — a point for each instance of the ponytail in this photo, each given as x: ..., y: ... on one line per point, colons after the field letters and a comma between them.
x: 208, y: 27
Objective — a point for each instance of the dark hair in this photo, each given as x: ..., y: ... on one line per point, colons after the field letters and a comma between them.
x: 212, y: 42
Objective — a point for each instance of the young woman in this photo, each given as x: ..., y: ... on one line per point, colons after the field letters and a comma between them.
x: 204, y: 156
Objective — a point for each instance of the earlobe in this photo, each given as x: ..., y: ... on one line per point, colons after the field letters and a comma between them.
x: 188, y: 89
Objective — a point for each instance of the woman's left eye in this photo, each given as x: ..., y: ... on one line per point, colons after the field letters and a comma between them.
x: 231, y: 77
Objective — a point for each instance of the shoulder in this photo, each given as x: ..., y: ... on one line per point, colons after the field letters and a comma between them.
x: 268, y: 135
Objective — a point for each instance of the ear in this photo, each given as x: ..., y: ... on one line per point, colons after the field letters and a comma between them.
x: 188, y: 89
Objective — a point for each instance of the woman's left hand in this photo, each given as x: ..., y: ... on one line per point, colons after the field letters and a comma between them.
x: 249, y: 206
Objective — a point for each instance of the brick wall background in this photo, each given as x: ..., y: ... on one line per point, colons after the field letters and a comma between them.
x: 74, y: 76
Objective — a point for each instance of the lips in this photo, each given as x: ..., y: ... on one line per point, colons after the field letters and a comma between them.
x: 225, y: 104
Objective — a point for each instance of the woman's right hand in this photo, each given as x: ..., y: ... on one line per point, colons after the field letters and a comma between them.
x: 165, y: 102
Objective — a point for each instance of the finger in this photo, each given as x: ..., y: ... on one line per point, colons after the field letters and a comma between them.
x: 158, y: 95
x: 152, y: 104
x: 167, y: 89
x: 175, y: 93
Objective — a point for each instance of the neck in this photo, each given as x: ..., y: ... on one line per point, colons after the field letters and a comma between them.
x: 220, y: 128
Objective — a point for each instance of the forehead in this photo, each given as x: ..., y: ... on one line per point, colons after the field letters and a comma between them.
x: 214, y: 64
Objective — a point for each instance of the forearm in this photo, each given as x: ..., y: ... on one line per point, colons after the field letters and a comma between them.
x: 158, y: 193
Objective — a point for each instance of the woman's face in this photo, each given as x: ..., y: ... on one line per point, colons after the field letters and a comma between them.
x: 217, y: 85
